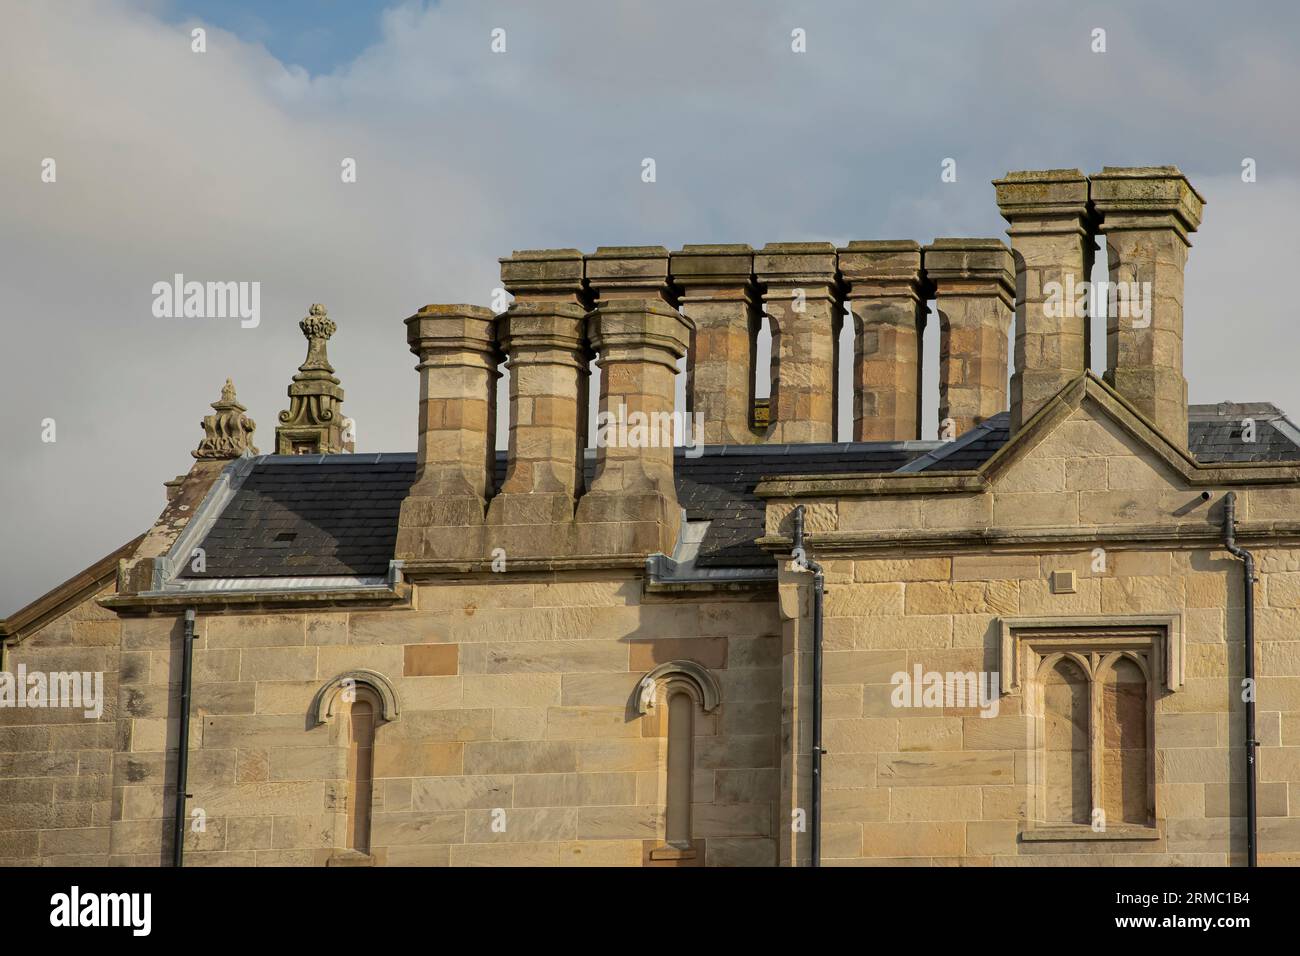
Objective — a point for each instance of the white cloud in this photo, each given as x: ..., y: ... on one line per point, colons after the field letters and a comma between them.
x: 225, y: 165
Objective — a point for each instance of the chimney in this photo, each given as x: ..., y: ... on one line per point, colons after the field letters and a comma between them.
x: 803, y: 298
x: 1052, y: 242
x: 314, y: 422
x: 974, y: 295
x: 631, y: 507
x: 542, y: 334
x: 458, y: 357
x: 887, y: 298
x: 1147, y: 214
x: 719, y: 296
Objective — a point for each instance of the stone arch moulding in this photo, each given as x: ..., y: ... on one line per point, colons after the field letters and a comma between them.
x: 697, y: 677
x: 1167, y: 649
x: 323, y: 706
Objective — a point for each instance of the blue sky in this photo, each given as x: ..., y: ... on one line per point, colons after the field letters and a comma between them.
x: 318, y: 35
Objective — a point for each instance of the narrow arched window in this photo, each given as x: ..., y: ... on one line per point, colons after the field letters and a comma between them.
x: 1125, y: 795
x: 1065, y: 743
x: 672, y: 694
x: 361, y: 769
x: 681, y: 762
x: 357, y: 702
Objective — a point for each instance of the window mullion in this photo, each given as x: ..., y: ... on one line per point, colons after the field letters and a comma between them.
x: 1095, y: 730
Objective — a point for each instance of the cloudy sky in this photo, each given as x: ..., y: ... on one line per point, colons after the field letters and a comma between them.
x: 225, y: 165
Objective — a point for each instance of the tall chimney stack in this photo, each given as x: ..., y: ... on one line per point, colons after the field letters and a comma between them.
x: 974, y: 295
x: 639, y: 336
x: 887, y: 298
x: 456, y: 346
x: 542, y: 335
x: 1052, y: 242
x: 1147, y: 214
x: 803, y: 298
x: 719, y: 296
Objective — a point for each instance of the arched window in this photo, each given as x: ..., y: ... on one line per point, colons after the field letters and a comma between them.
x: 361, y: 701
x: 681, y: 763
x: 673, y: 693
x: 1124, y: 742
x: 1092, y: 696
x: 361, y: 717
x: 1068, y: 794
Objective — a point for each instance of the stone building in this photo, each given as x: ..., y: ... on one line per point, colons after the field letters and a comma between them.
x: 1024, y: 643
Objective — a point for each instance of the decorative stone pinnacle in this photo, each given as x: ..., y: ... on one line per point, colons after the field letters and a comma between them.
x: 314, y: 424
x: 229, y: 432
x: 318, y: 327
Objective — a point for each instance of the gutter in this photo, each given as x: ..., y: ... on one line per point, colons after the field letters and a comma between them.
x: 819, y: 586
x: 183, y: 753
x: 1248, y: 580
x: 664, y: 574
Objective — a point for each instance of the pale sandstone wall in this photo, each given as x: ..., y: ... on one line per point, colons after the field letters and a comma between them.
x: 926, y: 786
x: 514, y: 694
x: 55, y: 764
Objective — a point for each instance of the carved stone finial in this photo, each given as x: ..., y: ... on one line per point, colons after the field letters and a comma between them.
x: 229, y: 432
x: 314, y: 423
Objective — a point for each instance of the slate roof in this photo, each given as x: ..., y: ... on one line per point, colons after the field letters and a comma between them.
x: 336, y: 515
x: 718, y: 487
x: 309, y: 515
x: 1217, y: 433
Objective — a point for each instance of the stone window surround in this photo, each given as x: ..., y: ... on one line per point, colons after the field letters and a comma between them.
x: 659, y: 685
x: 1157, y: 643
x: 325, y: 707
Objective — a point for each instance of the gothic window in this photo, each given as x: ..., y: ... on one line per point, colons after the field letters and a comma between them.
x: 1090, y: 690
x: 1093, y: 720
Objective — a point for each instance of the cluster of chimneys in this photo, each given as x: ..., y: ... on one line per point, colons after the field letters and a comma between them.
x: 640, y: 309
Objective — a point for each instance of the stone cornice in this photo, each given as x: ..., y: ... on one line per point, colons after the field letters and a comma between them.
x: 209, y: 602
x: 419, y: 569
x: 1032, y: 540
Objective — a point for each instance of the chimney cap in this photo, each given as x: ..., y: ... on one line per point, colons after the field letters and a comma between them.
x: 877, y: 264
x: 1146, y: 197
x: 1042, y: 194
x: 544, y: 272
x: 971, y: 260
x: 789, y: 263
x: 729, y: 264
